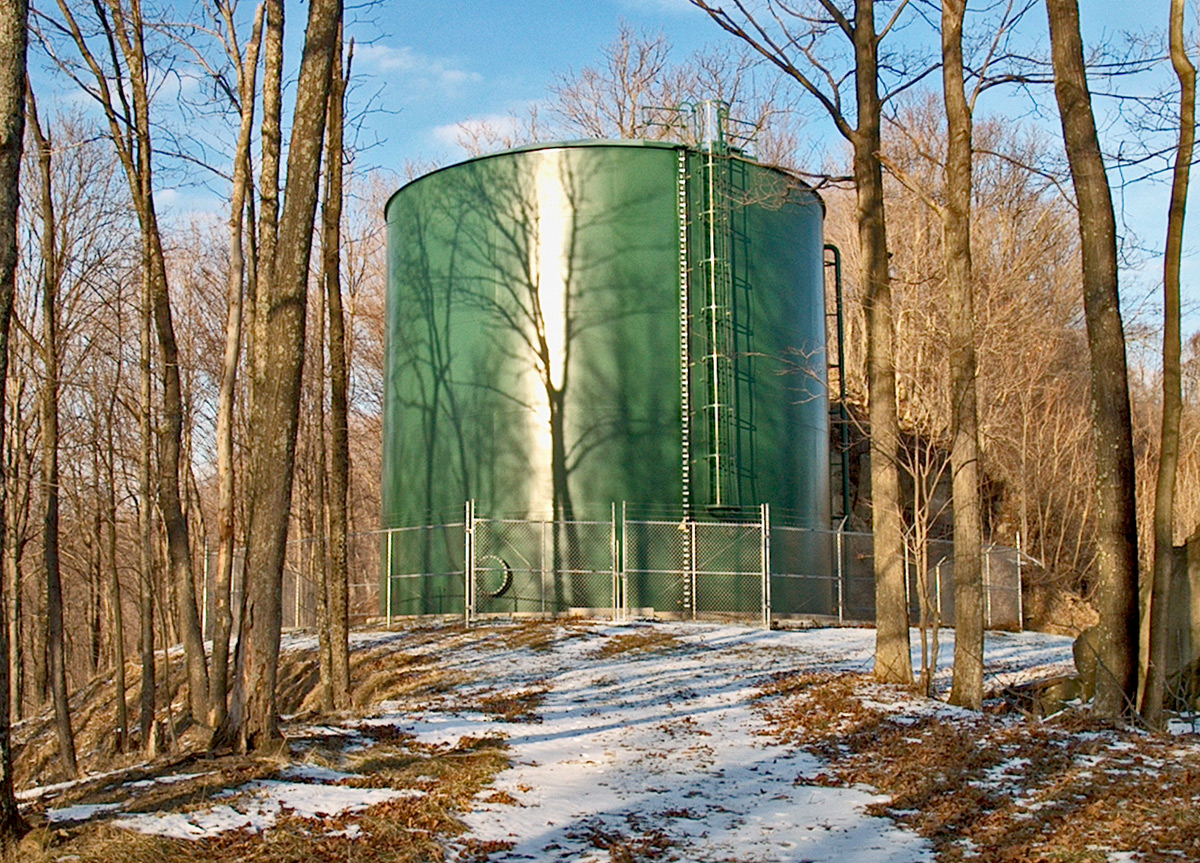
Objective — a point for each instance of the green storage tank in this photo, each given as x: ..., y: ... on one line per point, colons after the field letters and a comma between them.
x: 572, y: 326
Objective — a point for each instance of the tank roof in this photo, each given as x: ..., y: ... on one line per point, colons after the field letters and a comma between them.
x: 582, y: 143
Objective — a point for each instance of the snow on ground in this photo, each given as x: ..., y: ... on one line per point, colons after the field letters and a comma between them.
x: 656, y: 746
x: 258, y: 806
x: 671, y: 741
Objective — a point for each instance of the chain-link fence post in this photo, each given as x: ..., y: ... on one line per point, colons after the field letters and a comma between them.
x: 765, y: 530
x: 841, y: 571
x: 691, y: 562
x: 543, y: 556
x: 612, y: 552
x: 987, y: 586
x: 1020, y: 595
x: 469, y: 563
x: 624, y: 562
x: 388, y: 584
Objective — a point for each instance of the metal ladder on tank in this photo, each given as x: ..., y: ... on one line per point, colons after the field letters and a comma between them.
x: 719, y: 338
x: 742, y: 356
x: 839, y: 415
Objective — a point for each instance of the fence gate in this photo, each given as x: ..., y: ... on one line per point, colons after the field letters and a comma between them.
x: 522, y: 567
x: 730, y: 566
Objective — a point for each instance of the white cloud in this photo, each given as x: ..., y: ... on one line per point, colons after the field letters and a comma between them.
x: 421, y: 73
x: 486, y: 126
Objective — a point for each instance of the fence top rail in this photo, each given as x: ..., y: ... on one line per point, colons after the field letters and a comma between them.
x: 399, y: 527
x: 540, y: 521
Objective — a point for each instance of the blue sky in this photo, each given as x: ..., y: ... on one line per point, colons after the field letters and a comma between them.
x: 425, y: 66
x: 433, y: 66
x: 440, y: 64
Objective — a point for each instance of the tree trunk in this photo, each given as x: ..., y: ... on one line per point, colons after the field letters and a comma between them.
x: 337, y: 594
x: 146, y: 526
x: 55, y: 643
x: 96, y: 591
x: 223, y: 615
x: 967, y: 688
x: 13, y: 545
x: 1116, y: 512
x: 1172, y: 395
x: 41, y: 687
x: 893, y: 657
x: 268, y: 213
x: 275, y: 411
x: 13, y: 38
x: 118, y: 616
x: 169, y: 465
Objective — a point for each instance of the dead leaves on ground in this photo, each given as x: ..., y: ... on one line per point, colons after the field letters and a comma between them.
x: 996, y: 788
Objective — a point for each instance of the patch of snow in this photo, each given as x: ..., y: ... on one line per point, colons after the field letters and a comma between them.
x: 315, y: 773
x: 57, y: 788
x: 165, y: 780
x: 998, y: 776
x: 1183, y: 725
x: 81, y: 811
x: 259, y: 804
x: 191, y: 825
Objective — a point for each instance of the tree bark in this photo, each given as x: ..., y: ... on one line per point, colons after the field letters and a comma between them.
x: 223, y: 614
x: 1172, y: 394
x: 893, y: 656
x: 967, y: 687
x: 55, y: 642
x: 337, y: 595
x: 118, y: 615
x: 275, y: 411
x: 146, y: 523
x: 12, y: 591
x: 315, y: 488
x: 1116, y: 513
x: 13, y: 38
x: 268, y: 211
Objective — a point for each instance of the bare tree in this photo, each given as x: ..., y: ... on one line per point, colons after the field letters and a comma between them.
x: 13, y: 16
x: 124, y: 35
x: 280, y: 320
x: 794, y: 41
x: 247, y: 66
x: 967, y: 688
x: 109, y: 459
x: 1172, y: 387
x: 1116, y: 516
x: 335, y: 595
x: 638, y: 90
x: 146, y: 600
x: 51, y: 277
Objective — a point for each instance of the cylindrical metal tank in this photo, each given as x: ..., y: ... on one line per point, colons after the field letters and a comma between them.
x: 576, y: 326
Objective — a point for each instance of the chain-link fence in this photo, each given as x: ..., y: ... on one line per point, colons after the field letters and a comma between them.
x: 301, y: 588
x: 1002, y: 606
x: 746, y: 568
x: 743, y: 567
